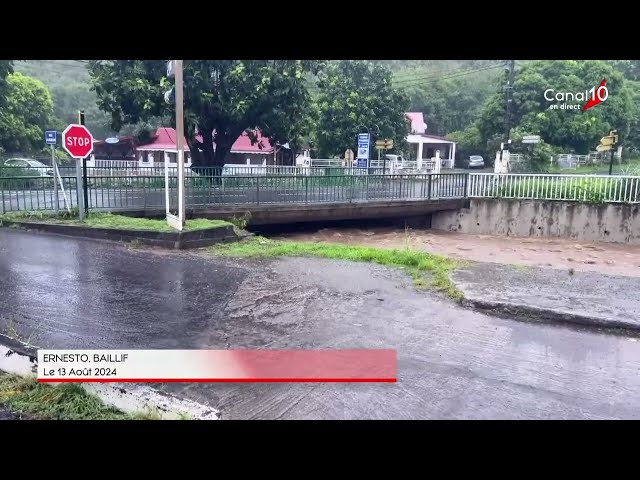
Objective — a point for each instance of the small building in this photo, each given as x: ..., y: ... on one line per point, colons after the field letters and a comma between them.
x: 243, y: 152
x: 162, y: 149
x: 114, y: 152
x: 424, y: 146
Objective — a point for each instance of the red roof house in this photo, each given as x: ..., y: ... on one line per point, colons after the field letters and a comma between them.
x: 165, y: 139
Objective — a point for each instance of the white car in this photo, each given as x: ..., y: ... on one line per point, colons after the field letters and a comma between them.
x: 476, y: 161
x: 43, y: 170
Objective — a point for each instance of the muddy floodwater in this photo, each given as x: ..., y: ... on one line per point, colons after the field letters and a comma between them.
x: 608, y: 258
x: 453, y: 363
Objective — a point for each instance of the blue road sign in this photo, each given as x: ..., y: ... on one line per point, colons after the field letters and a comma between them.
x: 50, y: 137
x: 362, y: 163
x: 363, y: 149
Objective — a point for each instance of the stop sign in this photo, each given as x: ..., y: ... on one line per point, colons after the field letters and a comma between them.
x: 77, y: 140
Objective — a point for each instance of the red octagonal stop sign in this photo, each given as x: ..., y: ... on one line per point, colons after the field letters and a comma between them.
x: 77, y: 140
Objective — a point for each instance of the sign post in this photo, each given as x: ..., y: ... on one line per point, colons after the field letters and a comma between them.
x: 609, y: 144
x: 51, y: 138
x: 363, y: 150
x: 386, y: 144
x: 531, y: 139
x: 85, y: 187
x: 78, y: 142
x: 175, y: 69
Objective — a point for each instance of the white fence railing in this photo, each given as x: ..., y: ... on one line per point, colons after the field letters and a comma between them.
x: 583, y: 188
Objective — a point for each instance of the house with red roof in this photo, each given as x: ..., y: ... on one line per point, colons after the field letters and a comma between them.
x: 162, y: 148
x: 423, y: 146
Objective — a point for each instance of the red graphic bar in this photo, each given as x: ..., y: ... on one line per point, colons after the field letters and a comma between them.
x: 231, y: 366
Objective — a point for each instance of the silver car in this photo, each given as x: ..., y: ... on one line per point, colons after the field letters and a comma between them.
x: 476, y: 161
x: 42, y: 169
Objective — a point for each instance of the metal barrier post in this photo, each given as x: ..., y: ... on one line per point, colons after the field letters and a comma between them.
x: 306, y: 189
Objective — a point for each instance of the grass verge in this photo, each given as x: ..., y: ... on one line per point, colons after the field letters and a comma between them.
x: 111, y: 220
x: 65, y: 402
x: 417, y: 264
x: 69, y: 401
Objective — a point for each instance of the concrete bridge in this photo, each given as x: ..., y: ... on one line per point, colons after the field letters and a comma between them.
x: 270, y: 200
x: 419, y: 211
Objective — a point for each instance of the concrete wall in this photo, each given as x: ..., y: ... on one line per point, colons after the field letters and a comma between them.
x: 528, y: 218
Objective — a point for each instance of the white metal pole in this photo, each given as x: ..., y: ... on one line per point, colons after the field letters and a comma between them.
x: 180, y: 140
x: 55, y: 178
x: 166, y: 188
x: 67, y: 204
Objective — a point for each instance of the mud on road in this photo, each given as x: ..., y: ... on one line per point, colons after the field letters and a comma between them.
x: 607, y: 258
x: 452, y: 362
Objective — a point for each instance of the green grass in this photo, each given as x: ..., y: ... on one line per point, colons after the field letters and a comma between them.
x: 629, y: 167
x: 111, y: 220
x: 65, y: 402
x: 417, y: 264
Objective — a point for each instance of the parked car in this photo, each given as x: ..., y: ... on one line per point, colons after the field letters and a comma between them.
x: 476, y: 161
x: 42, y: 169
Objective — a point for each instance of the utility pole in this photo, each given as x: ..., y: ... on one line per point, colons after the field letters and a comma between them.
x: 176, y: 94
x: 180, y: 139
x: 510, y: 80
x: 85, y: 183
x: 511, y: 72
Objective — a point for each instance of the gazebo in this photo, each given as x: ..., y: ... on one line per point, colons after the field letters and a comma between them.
x: 423, y: 147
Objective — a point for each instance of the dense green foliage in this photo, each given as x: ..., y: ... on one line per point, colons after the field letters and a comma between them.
x: 325, y: 104
x: 566, y: 131
x: 68, y: 82
x: 223, y: 99
x: 357, y: 96
x: 27, y: 113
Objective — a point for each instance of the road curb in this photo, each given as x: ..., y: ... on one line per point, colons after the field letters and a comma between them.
x: 172, y: 240
x: 529, y: 313
x: 20, y: 358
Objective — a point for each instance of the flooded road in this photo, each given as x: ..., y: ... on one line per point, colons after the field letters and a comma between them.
x: 453, y: 363
x: 607, y: 258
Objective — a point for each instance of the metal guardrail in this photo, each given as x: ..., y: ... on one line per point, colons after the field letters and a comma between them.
x: 205, y: 188
x: 31, y: 189
x: 579, y: 188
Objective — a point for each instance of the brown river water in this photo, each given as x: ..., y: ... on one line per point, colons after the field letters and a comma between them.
x: 607, y: 258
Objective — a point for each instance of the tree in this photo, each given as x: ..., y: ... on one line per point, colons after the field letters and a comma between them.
x: 70, y: 87
x: 448, y: 104
x: 6, y: 68
x: 27, y: 113
x: 357, y: 95
x: 222, y: 99
x: 571, y: 130
x: 468, y: 142
x: 629, y: 68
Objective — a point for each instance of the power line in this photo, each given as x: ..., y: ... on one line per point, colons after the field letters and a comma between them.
x: 440, y: 73
x: 418, y: 80
x: 408, y: 76
x: 57, y: 63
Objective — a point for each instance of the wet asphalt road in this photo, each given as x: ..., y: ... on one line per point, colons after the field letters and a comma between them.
x: 452, y: 363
